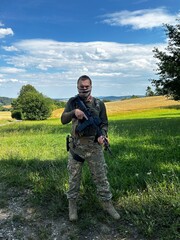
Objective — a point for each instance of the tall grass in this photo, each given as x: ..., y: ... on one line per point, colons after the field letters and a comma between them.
x: 143, y: 171
x: 147, y: 170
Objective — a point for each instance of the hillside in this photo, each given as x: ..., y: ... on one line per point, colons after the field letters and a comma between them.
x: 5, y: 101
x: 136, y: 104
x: 139, y: 104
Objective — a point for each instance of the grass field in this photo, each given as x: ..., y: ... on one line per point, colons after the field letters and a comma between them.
x: 143, y: 172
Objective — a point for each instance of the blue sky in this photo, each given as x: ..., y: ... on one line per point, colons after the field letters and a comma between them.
x: 50, y: 43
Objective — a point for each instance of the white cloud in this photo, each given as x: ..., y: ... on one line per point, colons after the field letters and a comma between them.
x: 11, y: 80
x: 51, y: 65
x: 140, y: 19
x: 5, y: 31
x: 9, y: 48
x: 64, y: 56
x: 11, y: 70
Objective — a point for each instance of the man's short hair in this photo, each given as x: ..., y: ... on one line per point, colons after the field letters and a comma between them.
x: 84, y: 77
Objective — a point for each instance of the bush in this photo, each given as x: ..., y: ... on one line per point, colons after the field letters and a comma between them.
x: 31, y: 105
x: 17, y: 114
x: 35, y: 107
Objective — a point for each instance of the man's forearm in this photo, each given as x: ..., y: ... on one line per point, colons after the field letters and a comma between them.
x: 66, y: 117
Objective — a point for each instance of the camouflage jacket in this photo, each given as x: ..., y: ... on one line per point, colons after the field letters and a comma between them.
x: 97, y: 109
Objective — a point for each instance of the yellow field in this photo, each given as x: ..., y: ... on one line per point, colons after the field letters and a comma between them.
x: 118, y: 107
x: 139, y: 104
x: 129, y: 105
x: 57, y: 113
x: 5, y: 116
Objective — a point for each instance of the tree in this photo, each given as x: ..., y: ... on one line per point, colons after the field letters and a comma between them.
x: 27, y: 88
x: 169, y: 64
x: 31, y: 105
x: 149, y: 92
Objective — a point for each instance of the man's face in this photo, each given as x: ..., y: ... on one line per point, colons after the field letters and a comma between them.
x: 84, y: 88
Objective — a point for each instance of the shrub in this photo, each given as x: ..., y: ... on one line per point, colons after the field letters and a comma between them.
x: 31, y: 105
x: 17, y: 114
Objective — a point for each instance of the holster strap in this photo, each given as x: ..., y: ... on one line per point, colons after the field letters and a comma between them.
x: 76, y: 156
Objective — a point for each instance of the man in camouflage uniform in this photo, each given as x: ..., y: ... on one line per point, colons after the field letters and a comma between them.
x: 86, y: 144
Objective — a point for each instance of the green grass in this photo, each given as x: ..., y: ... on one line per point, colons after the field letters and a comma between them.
x: 164, y: 112
x: 147, y: 170
x: 143, y: 172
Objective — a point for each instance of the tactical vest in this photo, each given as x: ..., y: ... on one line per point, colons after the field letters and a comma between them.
x: 94, y: 108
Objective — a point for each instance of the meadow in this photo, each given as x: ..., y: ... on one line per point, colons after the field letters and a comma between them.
x: 143, y: 172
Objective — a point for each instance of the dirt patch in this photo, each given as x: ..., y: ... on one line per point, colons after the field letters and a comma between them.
x: 20, y: 220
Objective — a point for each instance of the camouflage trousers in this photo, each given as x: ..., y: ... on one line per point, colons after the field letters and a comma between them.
x: 92, y: 152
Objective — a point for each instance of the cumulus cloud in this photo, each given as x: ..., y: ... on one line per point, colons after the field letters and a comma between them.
x: 11, y: 80
x: 9, y: 48
x: 5, y: 31
x: 11, y: 70
x: 64, y: 56
x: 140, y: 19
x: 49, y: 64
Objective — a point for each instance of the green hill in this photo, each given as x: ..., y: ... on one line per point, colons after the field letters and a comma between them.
x: 5, y: 101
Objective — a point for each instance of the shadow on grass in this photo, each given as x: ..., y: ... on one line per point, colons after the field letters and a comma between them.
x: 144, y: 150
x: 144, y: 173
x: 45, y: 179
x: 172, y: 107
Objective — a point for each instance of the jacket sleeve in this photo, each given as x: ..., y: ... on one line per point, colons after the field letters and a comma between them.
x: 68, y: 113
x: 104, y: 119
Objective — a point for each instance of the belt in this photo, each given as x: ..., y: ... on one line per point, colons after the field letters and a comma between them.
x: 85, y: 140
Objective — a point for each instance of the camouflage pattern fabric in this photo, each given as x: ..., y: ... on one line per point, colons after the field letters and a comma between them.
x: 92, y: 152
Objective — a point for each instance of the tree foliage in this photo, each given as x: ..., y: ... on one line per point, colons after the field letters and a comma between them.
x: 31, y: 105
x: 169, y: 64
x: 149, y: 92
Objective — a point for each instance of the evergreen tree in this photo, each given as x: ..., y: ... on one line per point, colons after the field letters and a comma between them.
x: 149, y: 92
x: 169, y: 64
